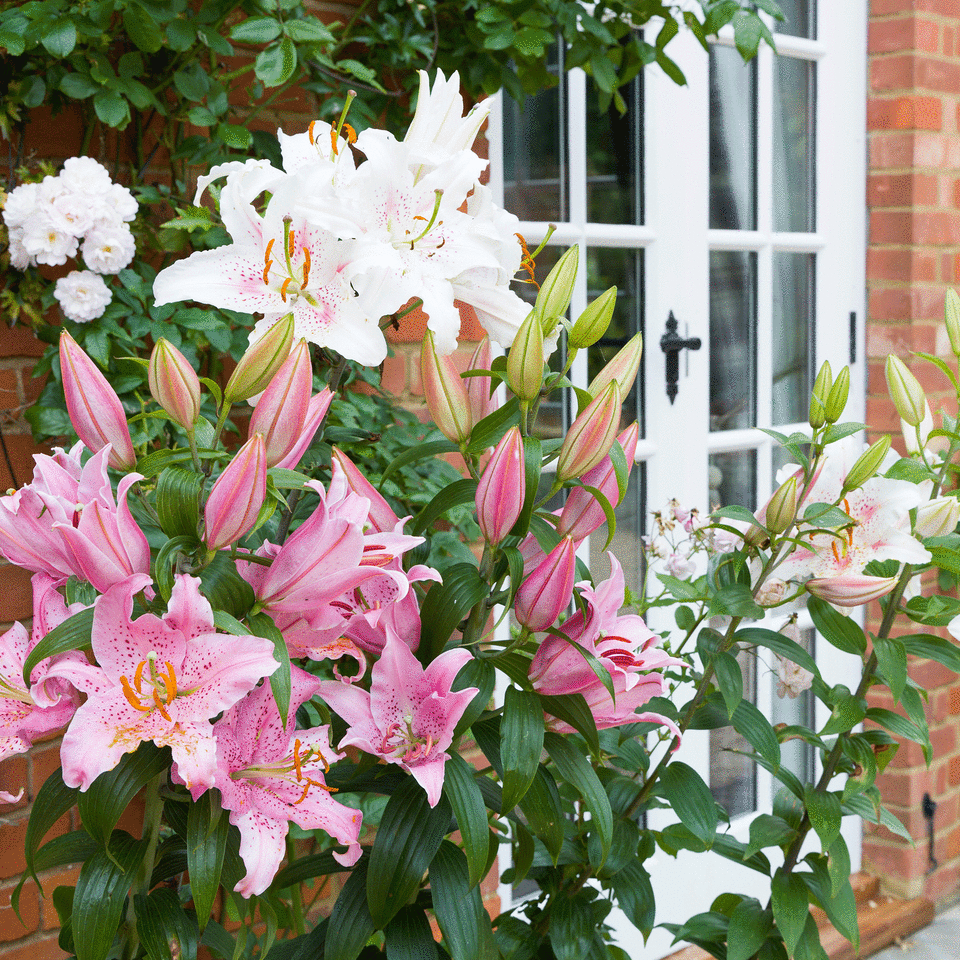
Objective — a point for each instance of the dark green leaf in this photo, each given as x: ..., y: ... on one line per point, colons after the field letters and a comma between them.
x: 749, y: 926
x: 481, y: 675
x: 842, y: 632
x: 60, y: 39
x: 220, y: 943
x: 52, y: 801
x: 408, y: 936
x: 104, y: 802
x: 73, y: 634
x: 517, y: 940
x: 460, y: 788
x: 350, y: 925
x: 521, y: 743
x: 166, y: 931
x: 446, y: 604
x: 409, y: 834
x: 490, y: 429
x: 544, y: 811
x: 635, y: 896
x: 778, y: 643
x: 207, y: 830
x: 463, y: 920
x: 100, y: 894
x: 791, y: 907
x: 281, y: 682
x: 768, y: 831
x: 142, y: 28
x: 453, y: 495
x: 421, y: 451
x: 306, y: 868
x: 840, y: 906
x: 255, y: 30
x: 690, y: 799
x: 572, y: 708
x: 896, y: 724
x: 532, y: 465
x: 735, y: 600
x: 111, y: 108
x: 756, y: 728
x: 892, y: 660
x: 276, y: 63
x: 178, y: 502
x: 729, y: 680
x: 823, y: 809
x: 847, y: 712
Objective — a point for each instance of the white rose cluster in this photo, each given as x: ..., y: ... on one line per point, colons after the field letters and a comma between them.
x: 81, y: 210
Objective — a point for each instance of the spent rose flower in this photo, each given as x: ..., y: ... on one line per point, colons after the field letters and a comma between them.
x: 409, y: 714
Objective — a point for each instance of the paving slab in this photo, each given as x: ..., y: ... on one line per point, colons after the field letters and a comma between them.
x: 939, y: 941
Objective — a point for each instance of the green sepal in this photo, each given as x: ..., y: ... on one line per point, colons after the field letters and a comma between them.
x: 104, y: 802
x: 74, y: 633
x: 101, y: 893
x: 409, y: 834
x: 207, y: 831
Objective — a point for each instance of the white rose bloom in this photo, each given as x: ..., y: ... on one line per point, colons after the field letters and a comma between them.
x: 72, y: 213
x: 21, y: 204
x: 43, y: 241
x: 108, y: 249
x: 121, y: 202
x: 19, y: 258
x: 792, y: 679
x: 82, y: 294
x: 85, y: 175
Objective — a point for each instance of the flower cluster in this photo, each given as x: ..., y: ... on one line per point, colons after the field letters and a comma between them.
x: 79, y: 211
x: 341, y: 244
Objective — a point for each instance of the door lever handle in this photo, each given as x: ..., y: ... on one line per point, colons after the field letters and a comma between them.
x: 671, y: 343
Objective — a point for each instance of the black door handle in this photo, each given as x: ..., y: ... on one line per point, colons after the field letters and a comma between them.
x: 671, y: 343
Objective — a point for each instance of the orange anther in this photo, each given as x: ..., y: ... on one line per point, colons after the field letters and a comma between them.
x: 290, y: 243
x: 313, y: 123
x: 266, y: 253
x: 333, y: 146
x: 283, y: 288
x: 836, y: 552
x: 351, y: 133
x: 296, y: 759
x: 170, y: 682
x: 132, y: 697
x: 266, y: 271
x: 161, y: 706
x: 306, y: 268
x: 138, y: 675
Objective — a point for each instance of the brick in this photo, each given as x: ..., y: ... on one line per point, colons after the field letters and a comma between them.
x: 931, y: 73
x: 898, y: 338
x: 953, y: 776
x: 903, y: 33
x: 43, y: 763
x: 901, y: 190
x: 905, y: 113
x: 891, y: 151
x: 891, y: 73
x: 900, y: 861
x: 11, y: 927
x: 20, y: 341
x: 39, y: 948
x: 13, y: 779
x: 900, y: 265
x: 11, y: 842
x: 393, y: 376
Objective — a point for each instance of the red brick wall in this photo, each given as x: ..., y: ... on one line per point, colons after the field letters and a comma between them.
x: 913, y: 196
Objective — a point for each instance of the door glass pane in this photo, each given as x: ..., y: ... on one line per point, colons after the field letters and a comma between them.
x: 794, y: 708
x: 793, y: 331
x: 733, y: 777
x: 535, y: 163
x: 733, y: 325
x: 801, y: 18
x: 631, y: 519
x: 614, y: 158
x: 608, y: 267
x: 793, y: 145
x: 732, y: 477
x: 733, y: 140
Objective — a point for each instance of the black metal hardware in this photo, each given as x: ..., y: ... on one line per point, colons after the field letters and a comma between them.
x: 671, y: 343
x: 853, y: 337
x: 929, y: 808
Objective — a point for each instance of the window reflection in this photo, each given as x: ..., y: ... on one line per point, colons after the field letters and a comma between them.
x: 615, y: 157
x: 793, y: 145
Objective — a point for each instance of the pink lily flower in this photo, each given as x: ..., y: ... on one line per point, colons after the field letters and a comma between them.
x: 94, y: 407
x: 270, y: 774
x: 409, y: 714
x: 625, y: 646
x: 67, y: 523
x: 547, y: 592
x: 851, y: 590
x: 381, y: 517
x: 28, y: 713
x: 160, y: 679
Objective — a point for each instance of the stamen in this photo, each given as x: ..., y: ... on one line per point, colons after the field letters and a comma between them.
x: 351, y: 133
x: 290, y: 242
x: 170, y: 682
x: 836, y: 552
x: 336, y: 152
x: 161, y: 706
x: 296, y: 759
x: 306, y: 268
x: 283, y: 288
x: 433, y: 217
x: 132, y: 697
x: 138, y: 675
x: 310, y: 135
x: 266, y: 271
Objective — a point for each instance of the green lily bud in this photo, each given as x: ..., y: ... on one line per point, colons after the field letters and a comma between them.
x: 951, y: 316
x: 556, y: 291
x: 818, y: 399
x: 260, y: 362
x: 444, y: 392
x: 757, y: 537
x: 782, y: 507
x: 622, y: 368
x: 867, y: 464
x: 905, y: 392
x: 592, y: 324
x: 837, y: 398
x: 525, y: 359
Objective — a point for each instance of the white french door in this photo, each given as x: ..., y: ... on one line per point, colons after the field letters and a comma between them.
x: 736, y: 203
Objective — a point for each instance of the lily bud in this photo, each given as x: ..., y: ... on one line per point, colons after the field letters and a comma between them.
x: 502, y: 488
x: 782, y: 507
x: 937, y: 518
x: 381, y: 516
x: 622, y: 368
x: 94, y: 407
x: 592, y: 324
x: 525, y: 359
x: 316, y: 412
x: 905, y: 391
x: 818, y: 398
x: 444, y: 392
x: 282, y: 409
x: 546, y: 593
x: 590, y: 438
x: 174, y: 384
x: 867, y: 464
x: 557, y: 290
x: 582, y: 514
x: 260, y: 362
x: 481, y: 402
x: 837, y: 398
x: 915, y: 437
x: 851, y: 590
x: 757, y: 537
x: 951, y: 316
x: 237, y: 496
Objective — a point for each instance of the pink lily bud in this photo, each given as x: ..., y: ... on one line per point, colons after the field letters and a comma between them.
x: 622, y: 368
x: 590, y: 438
x: 237, y: 496
x: 482, y: 404
x: 546, y: 593
x: 381, y: 516
x: 851, y: 590
x: 94, y: 407
x: 444, y: 392
x: 261, y: 361
x: 582, y: 514
x: 316, y: 411
x: 174, y: 384
x: 502, y: 488
x: 282, y: 408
